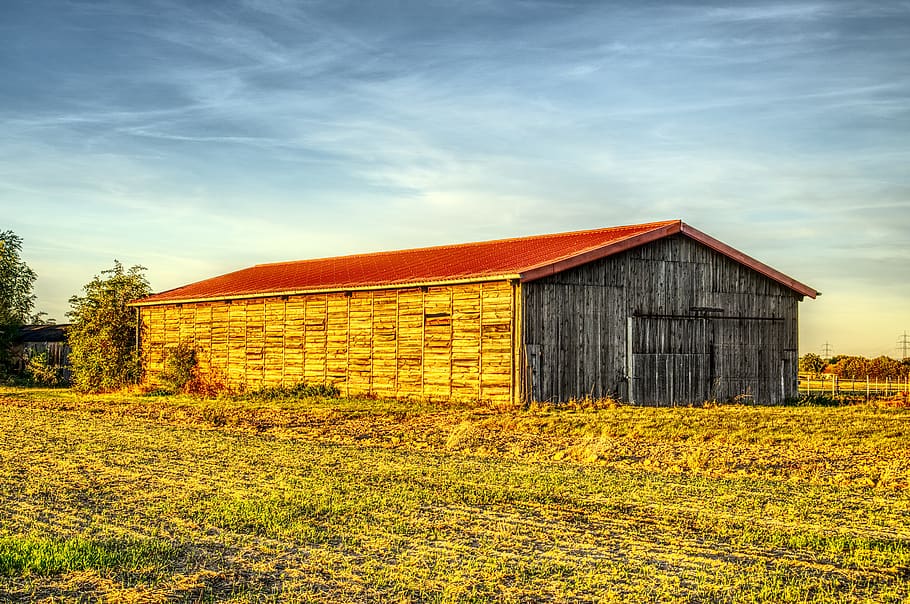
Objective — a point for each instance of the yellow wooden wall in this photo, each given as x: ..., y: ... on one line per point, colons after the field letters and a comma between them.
x: 448, y: 342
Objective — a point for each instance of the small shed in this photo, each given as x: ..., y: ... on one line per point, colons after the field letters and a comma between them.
x: 32, y: 340
x: 656, y: 313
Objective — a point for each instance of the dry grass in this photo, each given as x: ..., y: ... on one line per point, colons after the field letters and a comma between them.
x: 147, y: 499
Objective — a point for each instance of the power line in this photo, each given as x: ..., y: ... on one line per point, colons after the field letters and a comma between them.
x: 826, y: 350
x: 903, y: 344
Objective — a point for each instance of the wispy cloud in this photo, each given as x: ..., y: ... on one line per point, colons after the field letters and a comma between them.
x: 787, y: 11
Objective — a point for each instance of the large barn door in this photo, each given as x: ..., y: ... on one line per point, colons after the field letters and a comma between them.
x: 670, y: 360
x: 750, y: 362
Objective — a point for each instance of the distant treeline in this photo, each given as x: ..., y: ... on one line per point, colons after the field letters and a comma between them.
x: 856, y: 368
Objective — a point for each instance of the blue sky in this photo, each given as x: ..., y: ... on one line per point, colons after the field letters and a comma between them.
x: 195, y: 138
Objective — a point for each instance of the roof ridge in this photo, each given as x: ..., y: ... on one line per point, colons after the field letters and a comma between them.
x: 469, y: 244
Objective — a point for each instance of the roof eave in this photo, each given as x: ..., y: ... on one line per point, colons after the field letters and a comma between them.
x: 324, y: 290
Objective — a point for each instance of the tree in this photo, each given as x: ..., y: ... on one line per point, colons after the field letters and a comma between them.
x: 850, y: 367
x: 40, y: 318
x: 859, y: 368
x: 884, y: 368
x: 837, y: 359
x: 812, y: 363
x: 16, y: 297
x: 103, y: 334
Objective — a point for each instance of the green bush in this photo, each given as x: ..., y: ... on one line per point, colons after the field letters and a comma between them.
x: 41, y: 372
x: 179, y: 368
x: 301, y: 390
x: 103, y: 334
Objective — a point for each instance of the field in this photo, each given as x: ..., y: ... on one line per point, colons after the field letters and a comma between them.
x: 127, y: 498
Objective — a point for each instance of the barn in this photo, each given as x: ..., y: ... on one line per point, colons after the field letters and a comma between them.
x: 656, y: 313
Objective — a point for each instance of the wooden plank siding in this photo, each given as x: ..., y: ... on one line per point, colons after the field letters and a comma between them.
x: 577, y: 325
x: 443, y: 343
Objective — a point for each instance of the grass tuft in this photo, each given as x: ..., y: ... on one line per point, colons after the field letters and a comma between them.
x: 297, y: 391
x: 819, y: 400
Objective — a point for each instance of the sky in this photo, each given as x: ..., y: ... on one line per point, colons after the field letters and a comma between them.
x: 197, y: 138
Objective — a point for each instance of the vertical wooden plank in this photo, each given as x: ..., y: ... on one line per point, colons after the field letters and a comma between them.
x: 274, y: 343
x: 465, y: 360
x: 156, y: 342
x: 295, y: 316
x: 172, y: 326
x: 437, y: 343
x: 480, y: 346
x: 217, y: 372
x: 314, y: 362
x: 385, y: 342
x: 451, y: 334
x: 423, y: 342
x: 630, y: 360
x: 187, y: 325
x: 360, y: 351
x: 202, y: 336
x: 337, y: 341
x: 236, y: 369
x: 410, y: 343
x: 496, y: 340
x: 347, y: 361
x: 255, y: 344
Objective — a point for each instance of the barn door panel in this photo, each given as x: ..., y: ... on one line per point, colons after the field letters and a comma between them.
x: 670, y: 360
x: 750, y: 362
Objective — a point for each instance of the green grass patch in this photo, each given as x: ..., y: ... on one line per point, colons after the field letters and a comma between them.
x: 26, y: 555
x: 303, y: 516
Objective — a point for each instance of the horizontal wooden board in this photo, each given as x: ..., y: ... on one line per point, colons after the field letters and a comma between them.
x: 437, y: 343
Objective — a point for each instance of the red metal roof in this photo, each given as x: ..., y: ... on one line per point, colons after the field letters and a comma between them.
x: 524, y: 258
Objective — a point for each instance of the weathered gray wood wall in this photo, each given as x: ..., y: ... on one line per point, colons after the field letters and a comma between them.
x: 642, y: 312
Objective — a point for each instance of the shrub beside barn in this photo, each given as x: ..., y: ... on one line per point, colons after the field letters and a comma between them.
x: 656, y: 313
